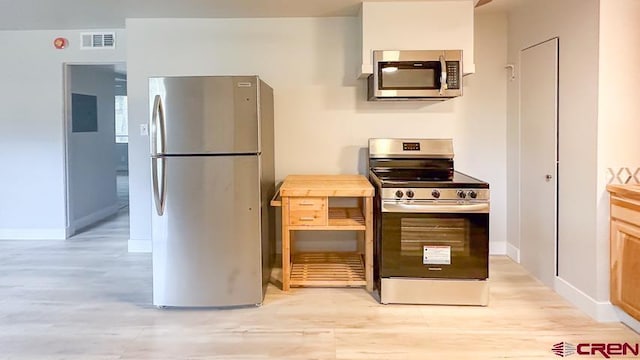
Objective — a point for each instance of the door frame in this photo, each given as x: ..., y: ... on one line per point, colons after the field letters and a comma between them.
x: 70, y: 229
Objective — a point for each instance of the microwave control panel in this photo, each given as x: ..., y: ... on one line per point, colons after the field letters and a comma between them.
x: 453, y: 74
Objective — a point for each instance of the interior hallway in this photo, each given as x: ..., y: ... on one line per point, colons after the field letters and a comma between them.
x: 88, y: 298
x: 122, y: 188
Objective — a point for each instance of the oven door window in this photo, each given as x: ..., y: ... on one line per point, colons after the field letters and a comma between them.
x: 454, y: 246
x: 412, y: 75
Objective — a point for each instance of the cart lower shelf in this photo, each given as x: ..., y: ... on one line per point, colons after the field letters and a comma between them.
x: 337, y: 269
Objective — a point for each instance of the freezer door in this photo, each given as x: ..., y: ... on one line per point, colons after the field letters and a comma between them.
x: 204, y: 114
x: 206, y: 243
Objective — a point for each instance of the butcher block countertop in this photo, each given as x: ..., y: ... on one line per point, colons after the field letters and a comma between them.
x: 326, y: 185
x: 626, y: 191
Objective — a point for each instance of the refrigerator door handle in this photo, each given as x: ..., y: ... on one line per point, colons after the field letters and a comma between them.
x: 158, y: 125
x: 159, y: 183
x: 154, y: 126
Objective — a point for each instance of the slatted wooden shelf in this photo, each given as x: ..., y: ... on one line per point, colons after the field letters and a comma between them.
x: 347, y: 218
x: 327, y: 270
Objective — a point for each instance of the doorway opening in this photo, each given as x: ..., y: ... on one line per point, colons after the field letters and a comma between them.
x: 122, y: 140
x: 96, y: 145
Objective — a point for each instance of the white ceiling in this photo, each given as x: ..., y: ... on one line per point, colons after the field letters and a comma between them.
x: 96, y: 14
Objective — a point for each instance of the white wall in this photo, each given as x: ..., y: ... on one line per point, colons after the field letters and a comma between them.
x: 322, y: 118
x: 481, y: 133
x: 91, y: 155
x: 575, y: 22
x: 32, y: 196
x: 417, y: 25
x: 618, y: 112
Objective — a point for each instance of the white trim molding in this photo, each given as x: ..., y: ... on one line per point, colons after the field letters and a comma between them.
x: 513, y: 252
x: 139, y: 246
x: 33, y: 234
x: 601, y: 311
x: 627, y: 319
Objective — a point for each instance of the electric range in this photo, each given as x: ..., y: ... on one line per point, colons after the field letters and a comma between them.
x: 431, y: 225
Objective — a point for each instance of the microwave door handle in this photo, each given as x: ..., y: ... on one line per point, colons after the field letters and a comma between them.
x: 443, y: 75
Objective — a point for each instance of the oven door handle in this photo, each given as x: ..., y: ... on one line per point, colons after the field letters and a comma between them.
x: 481, y: 208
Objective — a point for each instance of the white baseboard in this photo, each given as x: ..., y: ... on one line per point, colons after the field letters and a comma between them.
x: 627, y: 319
x: 139, y: 246
x: 513, y: 252
x: 497, y: 248
x: 33, y: 234
x: 92, y: 218
x: 601, y: 311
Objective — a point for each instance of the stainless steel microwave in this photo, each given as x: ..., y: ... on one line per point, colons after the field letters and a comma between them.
x: 415, y: 75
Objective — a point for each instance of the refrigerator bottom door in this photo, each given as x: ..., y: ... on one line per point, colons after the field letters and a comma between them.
x: 207, y: 245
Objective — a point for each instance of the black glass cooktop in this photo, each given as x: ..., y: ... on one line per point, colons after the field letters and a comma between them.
x: 424, y: 180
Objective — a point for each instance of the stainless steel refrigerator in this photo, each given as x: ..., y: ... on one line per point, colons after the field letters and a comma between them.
x: 213, y: 176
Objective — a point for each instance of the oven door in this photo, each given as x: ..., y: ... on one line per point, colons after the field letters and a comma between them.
x: 434, y: 240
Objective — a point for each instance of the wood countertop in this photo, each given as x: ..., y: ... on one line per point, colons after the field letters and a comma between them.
x: 626, y: 191
x: 326, y: 185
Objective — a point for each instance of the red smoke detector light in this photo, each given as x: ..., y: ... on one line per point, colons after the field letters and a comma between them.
x: 60, y: 43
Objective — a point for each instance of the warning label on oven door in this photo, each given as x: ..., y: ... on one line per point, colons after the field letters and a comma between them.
x: 436, y: 255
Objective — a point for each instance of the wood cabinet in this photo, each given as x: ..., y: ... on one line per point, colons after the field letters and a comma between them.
x: 306, y: 205
x: 625, y: 248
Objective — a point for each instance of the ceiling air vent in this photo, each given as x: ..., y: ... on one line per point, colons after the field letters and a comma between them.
x: 98, y: 40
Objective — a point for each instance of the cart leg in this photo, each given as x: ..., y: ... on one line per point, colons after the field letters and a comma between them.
x: 368, y: 243
x: 286, y: 245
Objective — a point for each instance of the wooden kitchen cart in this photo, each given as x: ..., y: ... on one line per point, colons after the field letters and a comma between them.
x: 305, y: 206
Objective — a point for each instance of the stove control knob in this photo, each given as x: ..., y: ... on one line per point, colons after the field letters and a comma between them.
x: 399, y: 194
x: 435, y: 194
x: 461, y: 194
x: 472, y: 194
x: 410, y: 194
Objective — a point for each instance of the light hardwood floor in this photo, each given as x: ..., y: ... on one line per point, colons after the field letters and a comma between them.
x: 87, y: 298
